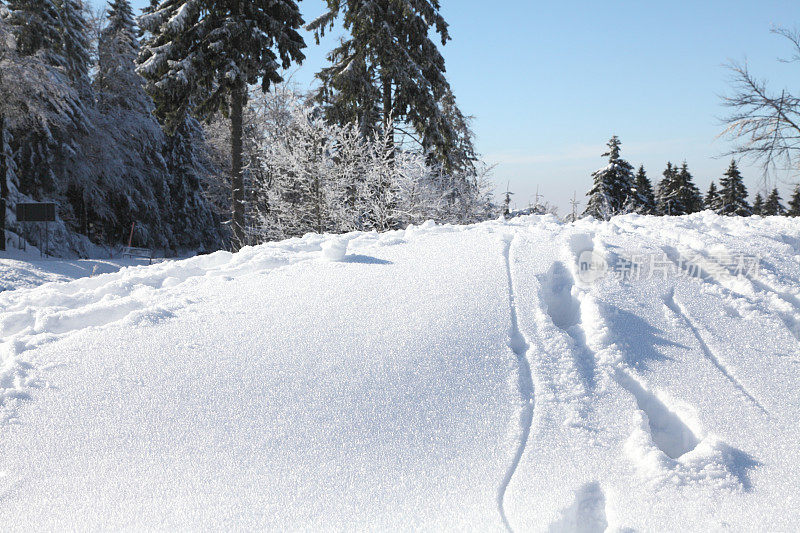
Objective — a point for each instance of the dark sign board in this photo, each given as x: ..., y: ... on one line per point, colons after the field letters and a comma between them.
x: 36, y: 212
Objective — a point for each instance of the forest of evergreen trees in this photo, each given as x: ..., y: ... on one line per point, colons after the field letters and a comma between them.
x: 616, y: 190
x: 177, y: 122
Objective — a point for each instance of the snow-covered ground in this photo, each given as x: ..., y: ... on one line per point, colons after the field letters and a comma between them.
x: 26, y: 268
x: 459, y: 378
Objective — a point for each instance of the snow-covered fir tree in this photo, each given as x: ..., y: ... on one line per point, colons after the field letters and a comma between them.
x: 645, y: 200
x: 389, y: 72
x: 667, y: 192
x: 103, y: 162
x: 190, y: 219
x: 136, y: 174
x: 74, y: 40
x: 733, y: 193
x: 9, y: 106
x: 7, y: 176
x: 199, y: 57
x: 43, y: 112
x: 689, y: 195
x: 612, y: 185
x: 8, y: 168
x: 507, y: 204
x: 773, y: 206
x: 711, y: 200
x: 794, y: 203
x: 7, y: 165
x: 46, y: 142
x: 677, y: 193
x: 35, y: 25
x: 758, y: 204
x: 117, y: 82
x: 457, y: 157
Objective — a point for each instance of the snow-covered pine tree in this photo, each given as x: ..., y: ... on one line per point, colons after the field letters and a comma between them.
x: 645, y: 201
x: 457, y: 157
x: 773, y: 205
x: 794, y: 203
x: 758, y: 205
x: 8, y: 167
x: 689, y: 197
x: 6, y: 156
x: 667, y: 193
x: 45, y: 114
x: 733, y: 194
x: 190, y: 220
x: 74, y: 40
x: 507, y: 204
x: 134, y: 172
x: 200, y: 56
x: 35, y: 25
x: 7, y: 175
x: 45, y: 143
x: 117, y: 82
x: 612, y: 184
x: 388, y: 72
x: 711, y: 201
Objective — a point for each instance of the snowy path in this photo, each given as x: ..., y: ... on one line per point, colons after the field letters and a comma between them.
x: 19, y: 273
x: 439, y: 378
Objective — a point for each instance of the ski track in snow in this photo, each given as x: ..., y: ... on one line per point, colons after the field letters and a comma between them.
x: 790, y: 320
x: 758, y: 286
x: 519, y: 345
x: 680, y: 311
x: 564, y: 311
x: 668, y: 431
x: 727, y: 288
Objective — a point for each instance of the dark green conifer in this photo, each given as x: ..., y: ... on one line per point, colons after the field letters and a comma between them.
x: 711, y: 200
x: 773, y: 205
x: 733, y: 193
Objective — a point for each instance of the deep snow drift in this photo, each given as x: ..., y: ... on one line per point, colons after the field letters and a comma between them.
x: 640, y: 374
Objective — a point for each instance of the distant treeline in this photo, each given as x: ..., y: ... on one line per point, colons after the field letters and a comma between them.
x: 617, y: 189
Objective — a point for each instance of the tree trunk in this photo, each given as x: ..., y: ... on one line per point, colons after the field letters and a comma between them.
x: 3, y: 182
x: 388, y: 116
x: 237, y: 170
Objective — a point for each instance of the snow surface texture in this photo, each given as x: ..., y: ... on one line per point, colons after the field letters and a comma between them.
x: 437, y: 378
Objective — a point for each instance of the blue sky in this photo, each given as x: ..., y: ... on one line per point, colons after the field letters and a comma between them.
x: 550, y: 82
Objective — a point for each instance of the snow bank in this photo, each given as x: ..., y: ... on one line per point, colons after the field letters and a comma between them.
x: 440, y: 377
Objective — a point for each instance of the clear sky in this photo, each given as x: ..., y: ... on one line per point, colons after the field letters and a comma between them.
x: 550, y: 82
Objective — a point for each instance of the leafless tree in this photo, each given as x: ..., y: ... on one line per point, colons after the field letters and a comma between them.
x: 765, y: 125
x: 96, y: 21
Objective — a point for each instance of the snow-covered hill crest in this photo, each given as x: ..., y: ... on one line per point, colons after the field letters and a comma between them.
x: 642, y: 373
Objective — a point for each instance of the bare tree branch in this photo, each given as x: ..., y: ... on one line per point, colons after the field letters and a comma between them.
x: 765, y: 125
